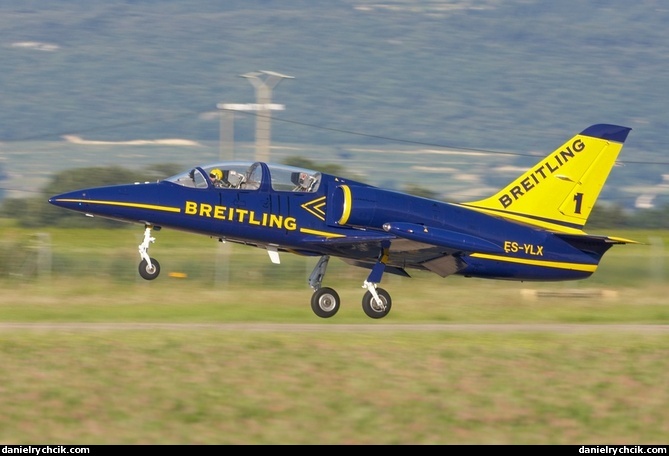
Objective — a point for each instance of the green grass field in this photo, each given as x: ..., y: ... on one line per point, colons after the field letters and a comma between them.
x: 232, y: 353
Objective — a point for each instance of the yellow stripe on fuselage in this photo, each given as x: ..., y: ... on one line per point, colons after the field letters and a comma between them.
x: 321, y: 233
x: 548, y: 264
x: 154, y: 207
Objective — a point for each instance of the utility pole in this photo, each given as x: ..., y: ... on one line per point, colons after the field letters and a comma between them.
x: 264, y: 82
x: 227, y: 134
x: 263, y: 107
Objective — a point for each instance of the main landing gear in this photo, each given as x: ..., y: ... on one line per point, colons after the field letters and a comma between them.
x: 149, y: 268
x: 325, y: 301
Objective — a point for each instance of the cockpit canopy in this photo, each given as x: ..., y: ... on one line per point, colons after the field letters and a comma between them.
x: 248, y: 176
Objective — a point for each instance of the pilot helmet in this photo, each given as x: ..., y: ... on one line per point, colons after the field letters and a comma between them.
x: 216, y: 174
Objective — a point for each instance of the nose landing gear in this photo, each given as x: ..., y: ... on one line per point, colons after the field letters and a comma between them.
x: 149, y: 268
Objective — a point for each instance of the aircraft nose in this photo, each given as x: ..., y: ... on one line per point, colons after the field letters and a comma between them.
x: 70, y: 200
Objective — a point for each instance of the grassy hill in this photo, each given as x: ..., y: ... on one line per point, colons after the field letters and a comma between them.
x: 471, y: 74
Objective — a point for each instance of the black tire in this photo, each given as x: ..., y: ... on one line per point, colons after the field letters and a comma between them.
x: 370, y: 307
x: 325, y: 302
x: 149, y: 273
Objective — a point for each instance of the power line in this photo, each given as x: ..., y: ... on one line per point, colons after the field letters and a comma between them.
x: 308, y: 125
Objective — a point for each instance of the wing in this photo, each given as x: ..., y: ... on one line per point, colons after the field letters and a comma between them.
x: 409, y: 246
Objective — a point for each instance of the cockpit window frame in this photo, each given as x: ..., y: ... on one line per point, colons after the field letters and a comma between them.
x: 248, y: 176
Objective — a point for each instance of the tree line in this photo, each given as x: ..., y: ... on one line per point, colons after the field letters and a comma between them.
x: 36, y: 212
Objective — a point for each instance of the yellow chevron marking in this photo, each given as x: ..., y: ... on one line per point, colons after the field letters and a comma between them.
x: 316, y: 207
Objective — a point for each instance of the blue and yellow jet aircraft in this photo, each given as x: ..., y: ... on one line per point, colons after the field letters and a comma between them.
x: 531, y: 230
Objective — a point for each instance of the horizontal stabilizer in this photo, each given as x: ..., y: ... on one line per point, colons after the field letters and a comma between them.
x: 619, y: 240
x: 596, y: 238
x: 444, y: 238
x: 593, y: 243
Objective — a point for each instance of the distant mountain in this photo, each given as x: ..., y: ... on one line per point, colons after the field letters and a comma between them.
x: 479, y: 74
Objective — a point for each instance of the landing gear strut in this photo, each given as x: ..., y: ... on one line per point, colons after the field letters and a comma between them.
x: 149, y: 268
x: 376, y: 302
x: 325, y: 301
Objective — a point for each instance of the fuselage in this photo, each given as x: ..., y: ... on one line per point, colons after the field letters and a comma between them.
x: 342, y: 218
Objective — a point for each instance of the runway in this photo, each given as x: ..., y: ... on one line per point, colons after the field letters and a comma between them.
x: 557, y: 328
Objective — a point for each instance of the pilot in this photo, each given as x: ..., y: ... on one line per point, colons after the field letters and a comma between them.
x: 304, y: 182
x: 216, y: 176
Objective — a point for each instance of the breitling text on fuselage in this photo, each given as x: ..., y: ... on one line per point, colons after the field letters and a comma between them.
x: 238, y: 215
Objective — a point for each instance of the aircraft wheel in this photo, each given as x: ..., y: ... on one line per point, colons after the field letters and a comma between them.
x: 149, y: 273
x: 371, y: 308
x: 325, y: 302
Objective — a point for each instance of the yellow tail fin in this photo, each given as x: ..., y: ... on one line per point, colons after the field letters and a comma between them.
x: 560, y: 191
